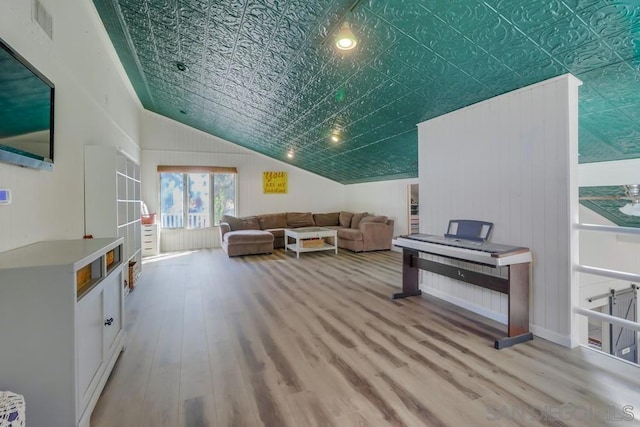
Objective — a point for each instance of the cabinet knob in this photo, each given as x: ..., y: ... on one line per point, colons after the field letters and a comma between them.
x: 109, y: 321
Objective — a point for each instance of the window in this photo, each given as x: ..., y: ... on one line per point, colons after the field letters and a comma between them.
x: 196, y: 197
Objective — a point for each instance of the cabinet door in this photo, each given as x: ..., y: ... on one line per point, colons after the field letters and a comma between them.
x: 89, y: 343
x: 112, y: 321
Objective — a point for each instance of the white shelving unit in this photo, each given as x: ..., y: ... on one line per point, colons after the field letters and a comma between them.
x: 61, y: 326
x: 112, y: 199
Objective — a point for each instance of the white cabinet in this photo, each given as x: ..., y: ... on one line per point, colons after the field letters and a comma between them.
x: 61, y: 325
x: 112, y: 198
x: 150, y: 240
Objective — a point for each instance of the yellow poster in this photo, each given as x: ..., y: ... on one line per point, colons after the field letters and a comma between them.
x: 274, y: 182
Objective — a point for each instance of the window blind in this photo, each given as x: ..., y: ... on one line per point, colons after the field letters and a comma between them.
x: 197, y: 169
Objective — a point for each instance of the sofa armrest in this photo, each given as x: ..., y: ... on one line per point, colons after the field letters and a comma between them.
x: 224, y: 228
x: 377, y: 235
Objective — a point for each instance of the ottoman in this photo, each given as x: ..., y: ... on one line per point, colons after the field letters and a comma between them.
x: 247, y: 242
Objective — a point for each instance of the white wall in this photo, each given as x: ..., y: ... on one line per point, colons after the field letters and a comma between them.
x: 618, y: 172
x: 510, y: 160
x: 166, y: 142
x: 382, y: 198
x: 94, y: 105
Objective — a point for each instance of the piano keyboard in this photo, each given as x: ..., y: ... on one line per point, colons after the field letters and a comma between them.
x: 492, y: 254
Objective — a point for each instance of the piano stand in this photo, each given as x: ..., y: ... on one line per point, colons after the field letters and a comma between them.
x: 410, y: 275
x: 509, y: 341
x: 399, y: 295
x: 516, y: 287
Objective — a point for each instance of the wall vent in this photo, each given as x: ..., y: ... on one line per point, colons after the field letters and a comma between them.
x: 43, y: 18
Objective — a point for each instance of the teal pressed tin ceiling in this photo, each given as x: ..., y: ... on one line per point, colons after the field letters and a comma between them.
x: 264, y: 73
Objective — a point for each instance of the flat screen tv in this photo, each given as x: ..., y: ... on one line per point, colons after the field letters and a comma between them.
x: 26, y: 112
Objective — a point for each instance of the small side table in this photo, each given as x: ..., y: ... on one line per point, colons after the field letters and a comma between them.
x: 12, y: 409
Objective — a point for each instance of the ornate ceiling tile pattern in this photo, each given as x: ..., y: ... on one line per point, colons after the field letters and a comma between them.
x: 264, y: 74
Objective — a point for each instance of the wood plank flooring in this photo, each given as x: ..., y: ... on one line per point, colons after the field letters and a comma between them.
x: 317, y: 341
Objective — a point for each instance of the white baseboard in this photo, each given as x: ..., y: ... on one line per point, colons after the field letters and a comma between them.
x: 563, y: 340
x: 483, y: 311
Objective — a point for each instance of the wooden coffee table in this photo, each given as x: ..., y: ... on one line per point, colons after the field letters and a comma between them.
x: 304, y: 233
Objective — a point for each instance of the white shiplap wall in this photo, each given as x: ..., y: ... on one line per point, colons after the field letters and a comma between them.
x: 510, y: 160
x: 166, y: 142
x: 382, y: 198
x: 93, y: 105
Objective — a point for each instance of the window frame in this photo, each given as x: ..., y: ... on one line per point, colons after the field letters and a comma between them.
x: 211, y: 171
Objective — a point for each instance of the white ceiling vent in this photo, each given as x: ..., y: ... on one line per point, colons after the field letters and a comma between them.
x: 43, y: 18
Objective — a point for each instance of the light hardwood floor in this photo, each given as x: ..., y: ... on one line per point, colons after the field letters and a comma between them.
x: 275, y: 341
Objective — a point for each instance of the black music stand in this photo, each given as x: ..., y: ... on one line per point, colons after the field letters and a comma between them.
x: 469, y: 229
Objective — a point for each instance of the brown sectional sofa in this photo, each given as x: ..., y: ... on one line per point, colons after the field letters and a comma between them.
x: 358, y: 232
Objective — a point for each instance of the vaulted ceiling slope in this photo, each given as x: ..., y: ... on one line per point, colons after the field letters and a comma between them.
x: 265, y: 74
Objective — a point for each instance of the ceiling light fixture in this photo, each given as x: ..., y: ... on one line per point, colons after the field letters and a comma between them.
x: 632, y: 209
x: 336, y: 134
x: 181, y: 66
x: 345, y: 39
x: 633, y: 193
x: 290, y: 154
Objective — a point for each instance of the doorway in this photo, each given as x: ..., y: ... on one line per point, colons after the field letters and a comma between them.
x: 624, y: 341
x: 413, y: 203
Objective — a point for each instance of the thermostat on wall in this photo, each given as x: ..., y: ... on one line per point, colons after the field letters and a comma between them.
x: 5, y: 196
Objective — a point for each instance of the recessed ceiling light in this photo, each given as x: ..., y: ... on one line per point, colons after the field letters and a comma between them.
x: 181, y: 66
x: 345, y: 40
x: 290, y: 154
x: 183, y: 112
x: 335, y: 137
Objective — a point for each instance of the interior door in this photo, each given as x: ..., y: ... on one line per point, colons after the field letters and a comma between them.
x: 624, y: 341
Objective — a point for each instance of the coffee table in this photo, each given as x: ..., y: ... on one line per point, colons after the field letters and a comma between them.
x: 309, y: 233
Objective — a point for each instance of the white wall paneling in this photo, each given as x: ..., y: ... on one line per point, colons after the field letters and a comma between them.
x: 94, y: 105
x: 618, y: 172
x: 166, y: 142
x: 510, y: 160
x: 382, y: 198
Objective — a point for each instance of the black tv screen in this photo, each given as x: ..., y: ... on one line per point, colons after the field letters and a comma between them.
x: 26, y: 112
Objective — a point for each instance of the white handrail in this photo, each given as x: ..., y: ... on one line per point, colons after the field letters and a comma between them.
x: 631, y: 231
x: 611, y: 274
x: 607, y: 318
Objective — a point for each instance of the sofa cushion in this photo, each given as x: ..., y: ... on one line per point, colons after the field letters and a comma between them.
x: 300, y: 219
x: 248, y: 237
x: 244, y: 223
x: 374, y: 218
x: 355, y: 221
x: 234, y: 223
x: 249, y: 223
x: 268, y: 221
x: 277, y: 232
x: 325, y: 219
x: 345, y: 218
x: 349, y: 234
